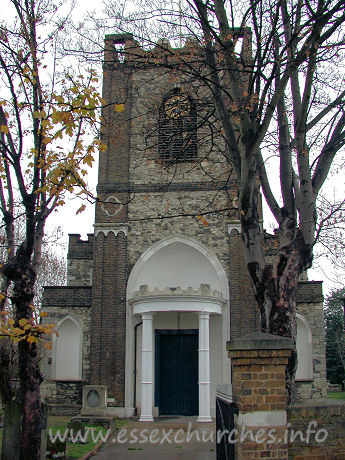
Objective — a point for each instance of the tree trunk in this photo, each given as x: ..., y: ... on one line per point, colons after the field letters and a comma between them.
x: 275, y: 286
x: 28, y: 362
x: 30, y: 380
x: 12, y: 427
x: 281, y: 305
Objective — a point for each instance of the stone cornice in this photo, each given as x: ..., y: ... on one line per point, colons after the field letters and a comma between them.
x: 204, y: 299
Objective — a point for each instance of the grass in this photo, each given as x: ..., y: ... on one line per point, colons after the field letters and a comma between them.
x: 336, y: 395
x: 77, y: 450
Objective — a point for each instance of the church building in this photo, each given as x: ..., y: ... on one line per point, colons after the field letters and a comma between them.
x: 157, y: 290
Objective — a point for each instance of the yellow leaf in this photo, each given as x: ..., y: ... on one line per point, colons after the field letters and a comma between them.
x: 56, y: 117
x: 81, y: 209
x: 202, y: 219
x: 4, y: 129
x: 31, y: 339
x: 43, y: 314
x: 23, y: 321
x: 102, y: 147
x: 119, y: 108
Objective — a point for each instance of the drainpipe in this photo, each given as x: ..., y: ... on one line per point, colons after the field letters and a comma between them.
x: 135, y: 369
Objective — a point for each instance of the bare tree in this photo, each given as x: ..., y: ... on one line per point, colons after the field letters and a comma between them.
x: 42, y: 102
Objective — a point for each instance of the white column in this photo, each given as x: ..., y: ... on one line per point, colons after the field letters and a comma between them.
x: 147, y: 368
x: 204, y: 368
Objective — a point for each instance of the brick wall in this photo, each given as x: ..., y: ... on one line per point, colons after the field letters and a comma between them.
x: 258, y: 364
x: 314, y: 430
x: 109, y: 314
x: 328, y: 415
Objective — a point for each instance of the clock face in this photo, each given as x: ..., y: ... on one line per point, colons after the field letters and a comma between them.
x: 177, y: 106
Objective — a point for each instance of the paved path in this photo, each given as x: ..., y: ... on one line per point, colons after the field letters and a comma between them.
x: 171, y: 439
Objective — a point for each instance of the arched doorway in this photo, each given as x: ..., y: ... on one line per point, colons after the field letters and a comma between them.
x: 179, y: 290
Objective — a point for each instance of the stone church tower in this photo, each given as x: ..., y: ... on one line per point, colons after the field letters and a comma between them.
x: 154, y: 294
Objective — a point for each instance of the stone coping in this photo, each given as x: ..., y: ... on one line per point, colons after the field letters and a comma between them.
x: 324, y: 402
x: 260, y: 341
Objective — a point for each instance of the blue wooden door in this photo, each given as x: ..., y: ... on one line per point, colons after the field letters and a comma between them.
x: 177, y: 372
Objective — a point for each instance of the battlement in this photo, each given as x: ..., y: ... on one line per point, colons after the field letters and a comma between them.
x: 78, y: 248
x: 123, y: 48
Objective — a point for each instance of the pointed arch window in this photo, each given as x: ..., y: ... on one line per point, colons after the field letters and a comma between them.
x: 304, y: 349
x: 177, y: 137
x: 67, y: 350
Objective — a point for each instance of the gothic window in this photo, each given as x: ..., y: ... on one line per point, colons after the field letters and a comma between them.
x: 177, y: 139
x: 304, y: 349
x: 67, y: 350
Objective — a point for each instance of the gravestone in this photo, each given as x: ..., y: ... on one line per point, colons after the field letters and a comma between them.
x: 76, y: 431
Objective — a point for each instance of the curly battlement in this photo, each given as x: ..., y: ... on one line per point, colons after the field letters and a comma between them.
x: 203, y: 291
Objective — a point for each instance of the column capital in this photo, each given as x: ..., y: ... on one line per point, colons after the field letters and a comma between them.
x: 204, y: 314
x: 147, y: 315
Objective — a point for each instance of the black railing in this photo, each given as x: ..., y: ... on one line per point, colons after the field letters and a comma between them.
x: 225, y: 411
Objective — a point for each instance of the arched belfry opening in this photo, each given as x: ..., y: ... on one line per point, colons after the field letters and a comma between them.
x: 177, y: 130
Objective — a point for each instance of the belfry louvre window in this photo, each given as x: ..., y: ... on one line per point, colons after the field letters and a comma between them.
x: 177, y: 137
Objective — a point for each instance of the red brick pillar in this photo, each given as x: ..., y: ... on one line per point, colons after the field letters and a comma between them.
x: 258, y: 363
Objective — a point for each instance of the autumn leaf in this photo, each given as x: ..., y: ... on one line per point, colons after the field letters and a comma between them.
x: 4, y: 129
x: 81, y: 209
x: 202, y: 220
x: 119, y: 108
x: 31, y: 338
